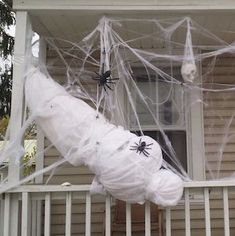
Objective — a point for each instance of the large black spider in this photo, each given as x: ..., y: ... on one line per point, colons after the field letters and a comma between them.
x: 141, y: 147
x: 105, y: 79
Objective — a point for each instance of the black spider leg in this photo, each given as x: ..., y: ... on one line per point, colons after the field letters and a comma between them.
x: 133, y: 148
x: 110, y: 82
x: 97, y: 74
x: 149, y: 144
x: 146, y: 153
x: 97, y: 78
x: 107, y: 86
x: 107, y: 74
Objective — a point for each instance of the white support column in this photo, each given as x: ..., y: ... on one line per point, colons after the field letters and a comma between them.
x: 40, y: 135
x: 23, y: 32
x: 37, y: 204
x: 36, y: 231
x: 40, y: 155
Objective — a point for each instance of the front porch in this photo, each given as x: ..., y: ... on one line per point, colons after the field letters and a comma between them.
x: 207, y: 208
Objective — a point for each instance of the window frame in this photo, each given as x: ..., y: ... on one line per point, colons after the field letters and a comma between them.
x: 194, y: 128
x: 196, y: 143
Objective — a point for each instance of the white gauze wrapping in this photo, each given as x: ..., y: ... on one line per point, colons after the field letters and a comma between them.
x: 84, y: 137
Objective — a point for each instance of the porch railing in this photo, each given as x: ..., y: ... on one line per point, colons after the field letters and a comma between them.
x: 199, y: 193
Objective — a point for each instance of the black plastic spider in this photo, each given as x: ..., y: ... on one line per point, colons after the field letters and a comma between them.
x: 105, y: 79
x: 141, y: 147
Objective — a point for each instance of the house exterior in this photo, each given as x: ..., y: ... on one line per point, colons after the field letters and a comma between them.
x: 207, y: 207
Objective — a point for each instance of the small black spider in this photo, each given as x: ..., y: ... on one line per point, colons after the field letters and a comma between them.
x: 141, y: 147
x: 105, y: 79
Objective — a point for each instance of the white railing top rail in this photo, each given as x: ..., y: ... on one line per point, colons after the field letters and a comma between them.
x: 83, y: 188
x: 50, y: 188
x: 210, y: 183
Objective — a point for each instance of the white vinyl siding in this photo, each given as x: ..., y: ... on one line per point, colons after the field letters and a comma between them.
x: 218, y: 113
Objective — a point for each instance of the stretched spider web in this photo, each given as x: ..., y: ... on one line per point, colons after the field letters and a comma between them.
x: 158, y: 82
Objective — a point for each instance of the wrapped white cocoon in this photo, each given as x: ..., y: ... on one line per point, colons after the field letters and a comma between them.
x: 165, y: 188
x: 125, y: 165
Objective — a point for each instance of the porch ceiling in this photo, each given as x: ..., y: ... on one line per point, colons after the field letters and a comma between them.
x: 73, y: 25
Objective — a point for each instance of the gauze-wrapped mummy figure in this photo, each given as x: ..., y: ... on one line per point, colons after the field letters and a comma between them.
x: 125, y: 165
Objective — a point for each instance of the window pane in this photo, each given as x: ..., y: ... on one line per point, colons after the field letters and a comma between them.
x: 164, y: 99
x: 171, y: 100
x: 148, y: 90
x: 178, y: 142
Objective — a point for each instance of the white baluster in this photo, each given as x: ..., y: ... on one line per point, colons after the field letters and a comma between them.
x: 168, y: 221
x: 25, y: 214
x: 88, y: 214
x: 187, y: 213
x: 226, y: 212
x: 128, y: 219
x: 207, y: 212
x: 47, y: 219
x: 108, y: 216
x: 147, y: 219
x: 68, y: 214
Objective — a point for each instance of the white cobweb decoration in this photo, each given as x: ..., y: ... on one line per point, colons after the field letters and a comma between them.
x: 153, y: 83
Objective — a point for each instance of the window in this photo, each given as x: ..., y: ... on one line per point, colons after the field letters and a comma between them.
x: 176, y: 114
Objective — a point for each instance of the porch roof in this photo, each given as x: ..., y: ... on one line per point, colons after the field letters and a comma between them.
x: 73, y: 19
